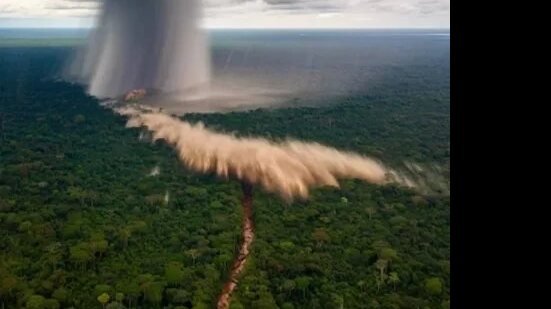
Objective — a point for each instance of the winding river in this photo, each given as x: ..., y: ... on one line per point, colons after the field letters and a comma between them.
x: 244, y: 250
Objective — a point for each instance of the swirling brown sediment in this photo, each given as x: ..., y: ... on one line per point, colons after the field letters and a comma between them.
x: 290, y: 168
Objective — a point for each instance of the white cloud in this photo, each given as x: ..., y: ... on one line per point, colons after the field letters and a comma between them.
x: 46, y: 8
x: 328, y: 15
x: 252, y: 13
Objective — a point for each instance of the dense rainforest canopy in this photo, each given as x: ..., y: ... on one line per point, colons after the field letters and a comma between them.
x: 92, y: 215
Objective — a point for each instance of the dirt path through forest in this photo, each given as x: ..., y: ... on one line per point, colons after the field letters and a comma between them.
x: 248, y: 237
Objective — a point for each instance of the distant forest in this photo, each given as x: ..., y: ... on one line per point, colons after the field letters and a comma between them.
x: 85, y: 224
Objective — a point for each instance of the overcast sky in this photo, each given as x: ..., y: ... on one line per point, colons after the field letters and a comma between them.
x: 250, y: 13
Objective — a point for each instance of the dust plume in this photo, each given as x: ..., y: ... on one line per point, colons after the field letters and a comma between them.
x: 288, y: 168
x: 143, y: 44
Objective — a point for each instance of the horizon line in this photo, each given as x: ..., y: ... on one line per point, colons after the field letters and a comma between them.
x: 258, y: 28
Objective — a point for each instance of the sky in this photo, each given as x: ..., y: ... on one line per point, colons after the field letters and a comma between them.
x: 248, y: 13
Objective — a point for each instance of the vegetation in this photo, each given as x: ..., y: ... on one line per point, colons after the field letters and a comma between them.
x: 84, y: 225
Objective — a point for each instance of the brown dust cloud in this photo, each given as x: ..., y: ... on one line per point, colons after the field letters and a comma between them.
x: 289, y: 168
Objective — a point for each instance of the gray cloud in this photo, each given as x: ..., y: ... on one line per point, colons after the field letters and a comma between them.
x: 320, y: 6
x: 425, y: 7
x: 70, y: 6
x: 254, y: 12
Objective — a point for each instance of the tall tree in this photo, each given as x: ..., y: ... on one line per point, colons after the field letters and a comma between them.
x: 103, y: 299
x: 381, y: 265
x: 393, y: 278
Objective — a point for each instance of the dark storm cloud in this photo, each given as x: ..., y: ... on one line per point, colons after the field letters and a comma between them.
x: 144, y: 44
